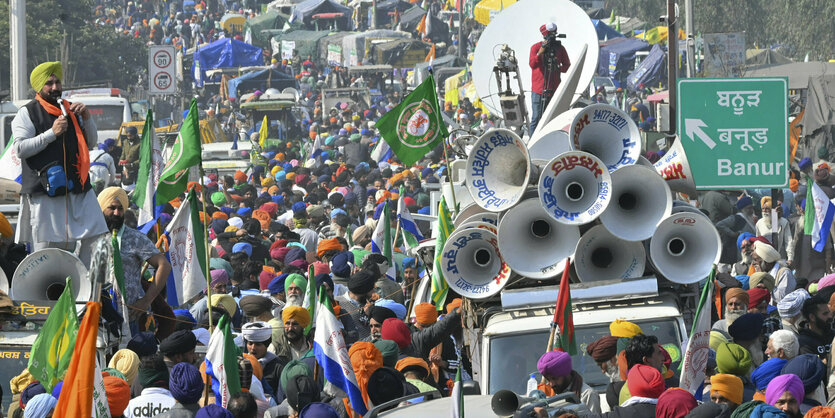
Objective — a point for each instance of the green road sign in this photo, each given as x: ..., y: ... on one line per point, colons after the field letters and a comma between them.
x: 735, y: 131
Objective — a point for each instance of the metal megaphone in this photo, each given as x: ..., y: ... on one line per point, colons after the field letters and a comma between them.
x: 608, y: 133
x: 42, y: 276
x: 498, y: 170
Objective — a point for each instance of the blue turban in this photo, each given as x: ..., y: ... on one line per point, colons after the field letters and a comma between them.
x: 342, y: 263
x: 329, y: 140
x: 318, y: 410
x: 143, y: 344
x: 56, y: 391
x: 277, y: 284
x: 299, y: 207
x: 294, y: 254
x: 805, y: 163
x: 743, y: 236
x: 362, y: 168
x: 323, y: 178
x: 110, y: 142
x: 185, y: 384
x: 278, y: 199
x: 226, y: 209
x: 338, y: 211
x: 185, y: 313
x: 764, y: 410
x: 280, y: 175
x: 242, y: 247
x: 287, y: 167
x: 323, y: 278
x: 809, y: 368
x: 409, y: 262
x: 30, y: 391
x: 40, y: 406
x: 325, y: 155
x: 257, y: 171
x: 219, y: 225
x: 744, y: 201
x: 426, y: 172
x: 269, y: 155
x: 398, y: 309
x: 244, y: 211
x: 351, y: 197
x: 213, y: 411
x: 743, y: 279
x: 767, y: 371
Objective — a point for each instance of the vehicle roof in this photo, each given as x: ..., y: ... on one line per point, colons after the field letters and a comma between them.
x: 474, y: 405
x: 268, y: 105
x: 600, y: 313
x: 99, y: 100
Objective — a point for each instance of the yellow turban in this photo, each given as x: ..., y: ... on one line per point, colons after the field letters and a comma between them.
x: 624, y: 329
x: 19, y: 382
x: 728, y: 386
x: 297, y: 313
x: 41, y: 73
x: 127, y: 362
x: 226, y: 302
x: 109, y: 194
x: 267, y: 181
x: 716, y: 339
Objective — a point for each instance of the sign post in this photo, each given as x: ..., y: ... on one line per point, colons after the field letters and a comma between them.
x: 735, y: 131
x: 162, y: 69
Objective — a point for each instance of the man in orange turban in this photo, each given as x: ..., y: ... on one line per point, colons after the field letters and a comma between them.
x: 425, y: 315
x: 365, y: 359
x: 736, y: 305
x: 327, y: 245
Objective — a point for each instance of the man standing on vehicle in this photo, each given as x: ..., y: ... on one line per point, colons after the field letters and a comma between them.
x: 130, y: 157
x: 53, y: 138
x: 548, y: 59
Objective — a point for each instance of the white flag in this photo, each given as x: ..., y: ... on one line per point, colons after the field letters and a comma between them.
x: 695, y: 355
x: 187, y: 252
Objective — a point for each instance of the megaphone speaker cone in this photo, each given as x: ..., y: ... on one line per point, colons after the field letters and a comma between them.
x: 685, y: 247
x: 498, y: 170
x: 640, y: 200
x: 575, y: 188
x: 472, y: 265
x: 603, y: 256
x: 608, y: 133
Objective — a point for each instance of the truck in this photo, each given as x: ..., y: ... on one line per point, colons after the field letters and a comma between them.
x: 108, y: 107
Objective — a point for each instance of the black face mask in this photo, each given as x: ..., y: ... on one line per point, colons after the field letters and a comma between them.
x: 114, y: 222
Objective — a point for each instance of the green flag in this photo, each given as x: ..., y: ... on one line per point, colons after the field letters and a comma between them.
x: 184, y: 155
x: 310, y: 299
x: 53, y: 347
x: 809, y: 212
x: 440, y: 288
x: 414, y: 127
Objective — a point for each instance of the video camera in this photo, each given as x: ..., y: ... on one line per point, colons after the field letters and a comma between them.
x: 551, y: 39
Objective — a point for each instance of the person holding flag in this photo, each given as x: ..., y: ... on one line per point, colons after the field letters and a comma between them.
x: 131, y: 249
x: 555, y: 368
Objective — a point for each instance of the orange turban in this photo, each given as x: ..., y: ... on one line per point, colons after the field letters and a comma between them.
x: 219, y: 215
x: 194, y: 184
x: 794, y: 185
x: 273, y: 190
x: 118, y: 394
x: 820, y: 412
x: 298, y: 313
x: 260, y: 215
x: 728, y: 386
x: 365, y: 359
x: 456, y: 303
x: 326, y: 245
x: 240, y: 176
x: 425, y: 313
x: 736, y: 292
x: 412, y: 362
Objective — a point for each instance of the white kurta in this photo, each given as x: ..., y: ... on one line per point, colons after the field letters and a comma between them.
x: 54, y: 219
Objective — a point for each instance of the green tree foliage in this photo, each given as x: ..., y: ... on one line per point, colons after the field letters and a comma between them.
x: 64, y: 30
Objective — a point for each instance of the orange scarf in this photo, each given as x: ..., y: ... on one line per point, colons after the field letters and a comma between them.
x: 83, y: 157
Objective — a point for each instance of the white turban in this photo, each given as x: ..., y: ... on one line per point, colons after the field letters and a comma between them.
x: 257, y: 331
x: 551, y: 27
x: 766, y: 252
x: 236, y: 222
x: 791, y: 304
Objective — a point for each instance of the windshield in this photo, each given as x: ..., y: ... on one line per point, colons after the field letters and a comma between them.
x: 513, y: 358
x: 107, y: 117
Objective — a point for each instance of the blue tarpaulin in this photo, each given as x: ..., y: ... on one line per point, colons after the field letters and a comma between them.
x: 649, y: 71
x: 605, y: 31
x: 617, y: 57
x: 262, y: 80
x: 224, y: 53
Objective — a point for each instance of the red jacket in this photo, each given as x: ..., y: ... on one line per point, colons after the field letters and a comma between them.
x: 538, y: 76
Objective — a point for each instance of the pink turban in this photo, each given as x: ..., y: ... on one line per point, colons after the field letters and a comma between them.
x: 554, y: 364
x: 782, y: 384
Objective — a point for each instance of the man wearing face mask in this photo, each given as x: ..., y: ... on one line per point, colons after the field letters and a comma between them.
x: 52, y: 139
x: 135, y: 249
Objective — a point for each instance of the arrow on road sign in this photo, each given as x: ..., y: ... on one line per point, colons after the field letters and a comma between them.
x: 693, y: 129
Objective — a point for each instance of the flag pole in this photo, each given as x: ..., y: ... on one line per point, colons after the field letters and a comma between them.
x: 446, y: 156
x: 554, y: 325
x: 208, y: 383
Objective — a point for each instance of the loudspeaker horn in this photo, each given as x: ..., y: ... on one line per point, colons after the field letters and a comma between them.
x: 505, y: 403
x: 549, y: 145
x: 675, y: 170
x: 685, y: 247
x: 640, y: 200
x: 4, y: 282
x: 472, y: 264
x: 602, y: 256
x: 498, y: 170
x: 465, y: 214
x: 294, y: 92
x: 575, y: 188
x: 484, y: 217
x: 534, y: 244
x: 42, y: 276
x: 608, y: 133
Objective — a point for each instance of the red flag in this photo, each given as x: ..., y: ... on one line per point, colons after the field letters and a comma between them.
x: 563, y: 316
x: 76, y: 398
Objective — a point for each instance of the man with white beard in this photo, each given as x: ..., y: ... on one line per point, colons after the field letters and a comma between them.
x: 766, y: 259
x: 785, y: 241
x: 789, y: 309
x: 294, y: 287
x: 604, y: 352
x: 736, y: 305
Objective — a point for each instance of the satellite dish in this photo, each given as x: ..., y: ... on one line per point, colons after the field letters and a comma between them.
x: 518, y: 27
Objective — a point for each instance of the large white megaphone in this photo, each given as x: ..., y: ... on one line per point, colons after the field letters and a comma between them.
x: 640, y: 200
x: 498, y: 170
x: 42, y: 276
x: 603, y: 256
x: 575, y: 188
x: 608, y: 133
x: 674, y: 168
x: 472, y: 264
x: 534, y: 244
x: 685, y: 247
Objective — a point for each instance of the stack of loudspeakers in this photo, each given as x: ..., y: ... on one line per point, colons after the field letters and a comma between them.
x: 594, y: 199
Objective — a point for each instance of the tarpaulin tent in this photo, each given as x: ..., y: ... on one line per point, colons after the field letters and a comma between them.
x: 224, y: 53
x: 484, y: 8
x: 305, y: 12
x: 386, y: 7
x: 605, y: 31
x: 264, y: 22
x: 306, y: 42
x: 765, y: 56
x: 261, y: 80
x: 618, y: 56
x: 354, y: 44
x: 283, y: 6
x: 649, y: 71
x: 410, y: 19
x: 332, y: 42
x: 401, y: 53
x: 797, y: 72
x: 819, y: 117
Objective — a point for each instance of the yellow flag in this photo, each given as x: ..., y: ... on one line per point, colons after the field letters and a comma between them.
x: 262, y: 134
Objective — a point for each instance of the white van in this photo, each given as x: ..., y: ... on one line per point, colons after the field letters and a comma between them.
x: 107, y: 106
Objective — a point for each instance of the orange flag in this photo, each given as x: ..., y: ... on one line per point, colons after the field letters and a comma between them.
x: 431, y: 55
x: 76, y: 398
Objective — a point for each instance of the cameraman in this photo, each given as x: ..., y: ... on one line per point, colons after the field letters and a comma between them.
x: 548, y: 59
